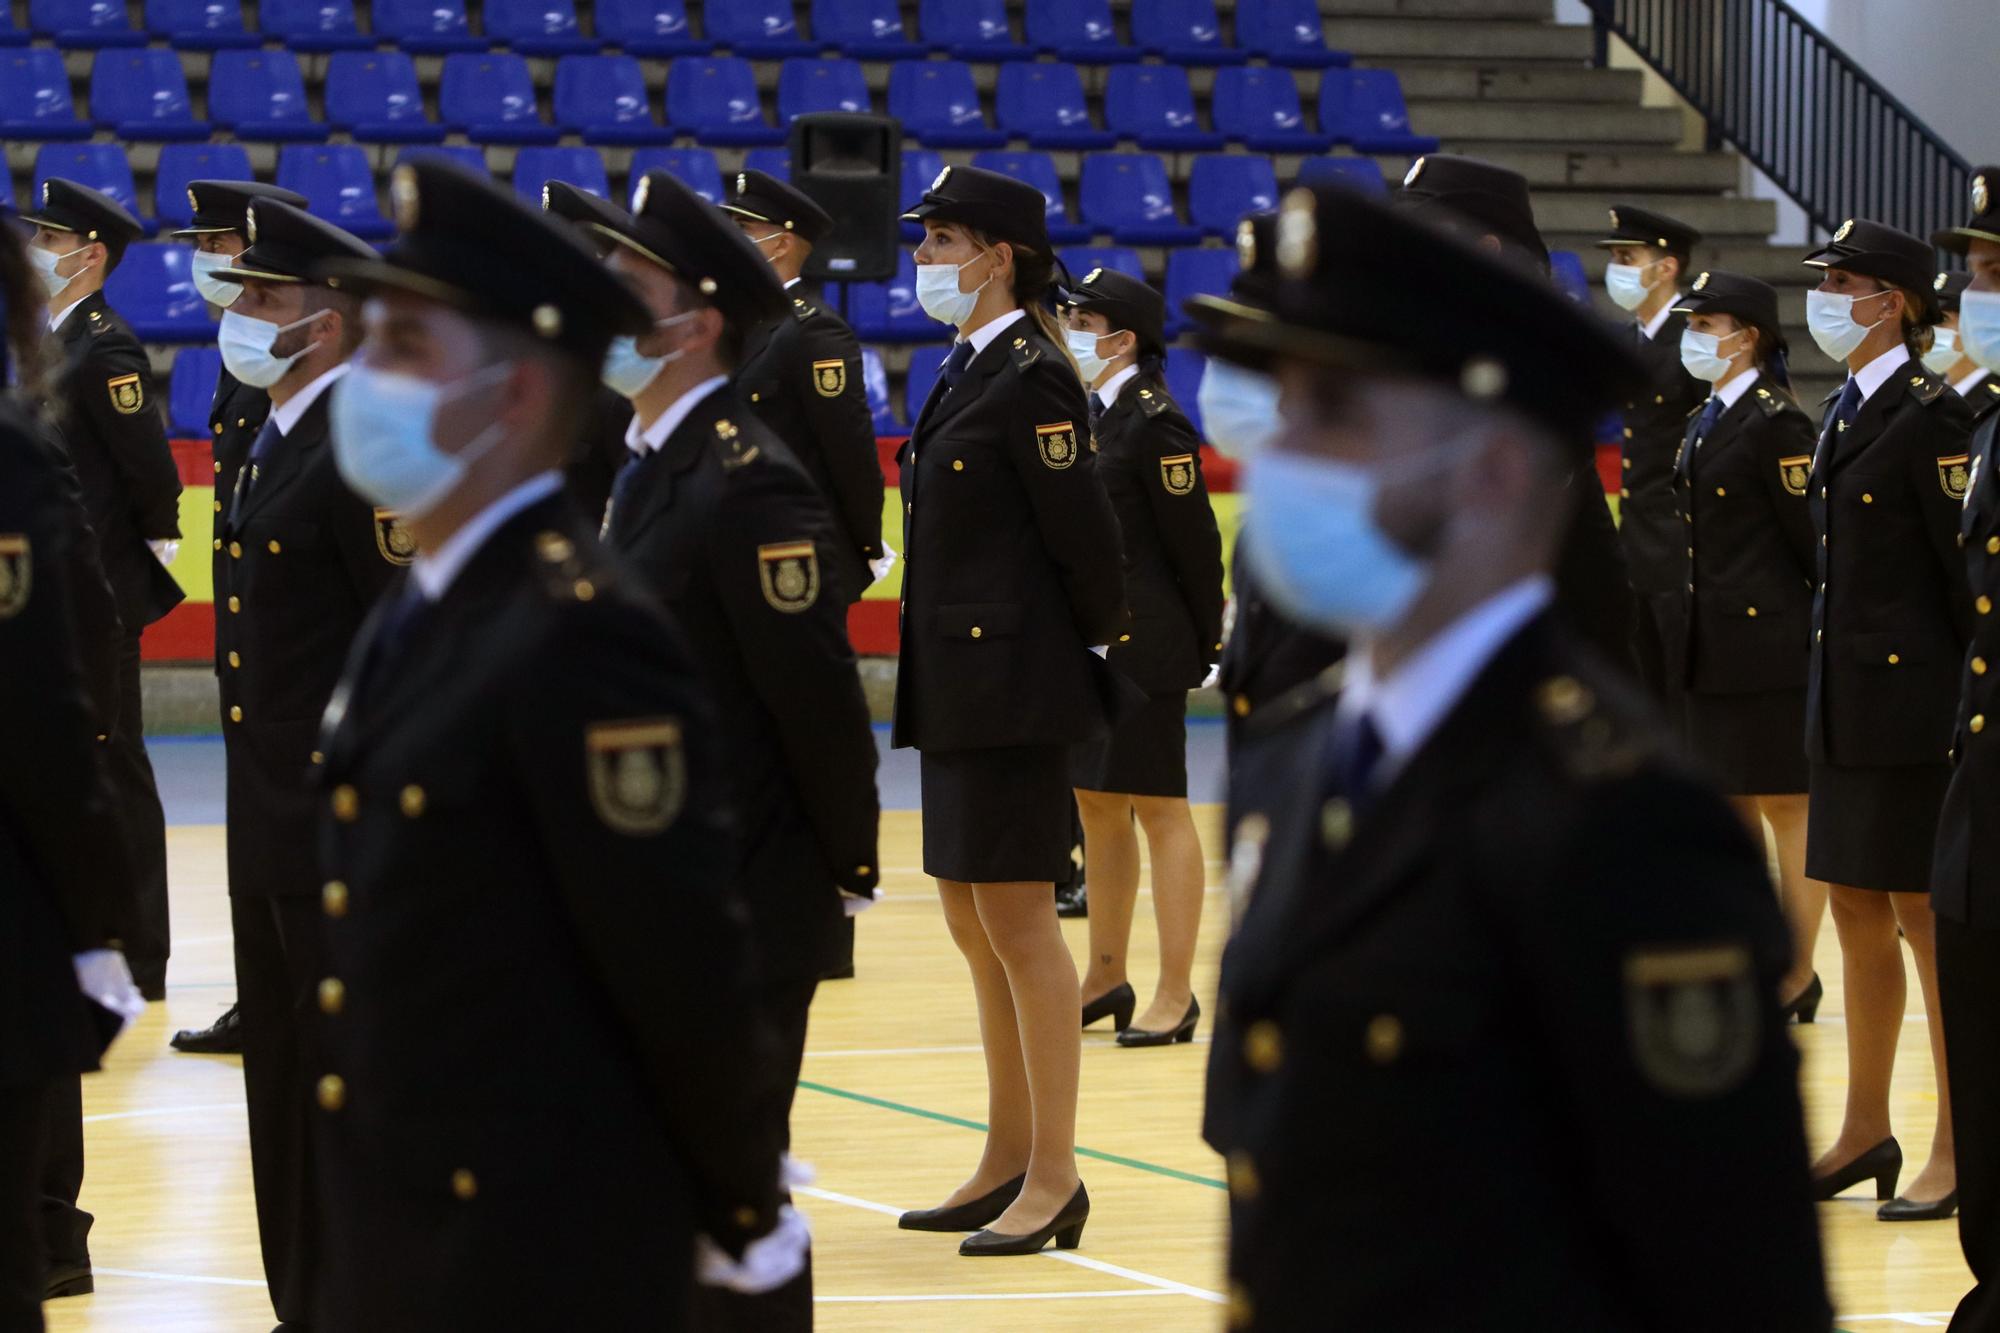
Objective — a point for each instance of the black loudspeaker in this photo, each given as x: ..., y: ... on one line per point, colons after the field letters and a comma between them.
x: 852, y: 166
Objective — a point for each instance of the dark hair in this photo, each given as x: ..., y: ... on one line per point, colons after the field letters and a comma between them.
x: 20, y: 327
x: 1034, y: 284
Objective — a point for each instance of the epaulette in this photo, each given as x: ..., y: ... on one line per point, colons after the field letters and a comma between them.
x: 803, y: 310
x: 566, y: 575
x: 1773, y: 404
x: 1025, y: 354
x: 1925, y: 387
x: 1153, y: 403
x: 1590, y: 741
x: 730, y: 446
x: 1278, y: 713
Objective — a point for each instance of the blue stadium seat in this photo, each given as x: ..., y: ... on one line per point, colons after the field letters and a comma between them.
x: 1196, y: 273
x: 1286, y: 32
x: 760, y: 29
x: 470, y: 156
x: 692, y: 167
x: 535, y: 27
x: 1153, y: 105
x: 1359, y: 173
x: 774, y: 162
x: 261, y: 95
x: 1182, y: 32
x: 1043, y: 103
x: 374, y: 96
x: 809, y: 86
x: 101, y: 166
x: 875, y: 383
x: 925, y: 363
x: 938, y: 104
x: 1364, y: 107
x: 1566, y: 270
x: 1080, y: 259
x: 83, y: 23
x: 1184, y: 367
x: 1078, y: 30
x: 970, y: 30
x: 920, y: 167
x: 1258, y: 107
x: 581, y: 167
x: 865, y: 29
x: 143, y: 95
x: 337, y: 184
x: 490, y: 96
x: 1038, y: 170
x: 1128, y: 195
x: 313, y: 25
x: 12, y: 34
x: 199, y: 25
x: 191, y: 389
x: 1222, y: 187
x: 647, y: 27
x: 715, y: 99
x: 887, y: 312
x: 34, y: 96
x: 425, y: 27
x: 604, y: 99
x: 183, y: 162
x: 153, y: 288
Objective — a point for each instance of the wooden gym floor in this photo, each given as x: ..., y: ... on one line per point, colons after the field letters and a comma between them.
x: 888, y: 1115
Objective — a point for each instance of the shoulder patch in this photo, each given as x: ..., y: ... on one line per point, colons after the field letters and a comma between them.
x: 802, y: 310
x: 1152, y: 402
x: 1590, y: 743
x: 729, y: 446
x: 128, y: 394
x: 636, y: 772
x: 1772, y: 404
x: 1795, y: 472
x: 789, y: 575
x: 1025, y: 354
x: 393, y: 541
x: 829, y: 377
x: 1057, y: 443
x: 1177, y: 474
x: 17, y: 573
x: 1926, y: 388
x: 1693, y: 1014
x: 1954, y: 477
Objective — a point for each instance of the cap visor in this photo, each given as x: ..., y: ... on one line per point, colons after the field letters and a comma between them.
x: 1958, y: 240
x: 366, y: 275
x: 239, y: 274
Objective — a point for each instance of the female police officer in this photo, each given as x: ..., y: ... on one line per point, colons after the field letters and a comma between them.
x: 1012, y: 577
x: 1891, y: 616
x: 1150, y: 459
x: 1739, y: 654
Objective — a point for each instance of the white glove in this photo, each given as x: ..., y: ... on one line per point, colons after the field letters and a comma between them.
x: 1213, y: 678
x: 165, y: 549
x: 101, y: 974
x: 882, y: 564
x: 769, y: 1262
x: 854, y: 904
x: 1101, y: 649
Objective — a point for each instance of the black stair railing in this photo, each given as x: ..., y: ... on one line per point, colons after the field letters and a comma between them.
x: 1774, y: 88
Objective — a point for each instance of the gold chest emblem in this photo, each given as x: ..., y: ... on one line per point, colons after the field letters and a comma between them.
x: 830, y: 377
x: 789, y: 575
x: 1177, y: 474
x: 1954, y: 475
x: 1795, y: 472
x: 1057, y: 443
x: 637, y: 774
x: 128, y: 394
x: 393, y: 541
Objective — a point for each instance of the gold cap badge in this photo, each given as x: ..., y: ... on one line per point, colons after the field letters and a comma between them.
x: 547, y: 320
x: 1416, y: 170
x: 639, y: 195
x: 1246, y: 245
x: 1942, y: 279
x: 1298, y: 235
x: 403, y: 197
x: 1701, y: 282
x: 1980, y: 197
x: 1845, y: 228
x: 942, y: 177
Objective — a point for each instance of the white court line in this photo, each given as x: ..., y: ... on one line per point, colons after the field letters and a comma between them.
x: 101, y: 1271
x: 159, y: 1110
x: 930, y: 1050
x: 1923, y: 1319
x: 1061, y: 1256
x: 1125, y: 1295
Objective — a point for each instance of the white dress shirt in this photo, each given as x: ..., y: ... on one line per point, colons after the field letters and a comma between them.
x: 1965, y: 386
x: 982, y: 337
x: 1877, y: 372
x: 287, y: 414
x: 56, y: 317
x: 1109, y: 391
x: 435, y: 571
x: 652, y: 438
x: 1651, y: 328
x: 1731, y: 390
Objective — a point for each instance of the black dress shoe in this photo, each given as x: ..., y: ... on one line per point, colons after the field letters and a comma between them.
x: 153, y: 992
x: 1072, y: 900
x: 222, y: 1037
x: 1116, y: 1003
x: 968, y: 1216
x: 1181, y: 1031
x: 1908, y: 1210
x: 1884, y: 1162
x: 1065, y: 1229
x: 68, y: 1277
x: 1805, y: 1005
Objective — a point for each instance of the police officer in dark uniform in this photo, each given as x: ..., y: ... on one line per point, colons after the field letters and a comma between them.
x: 302, y: 559
x: 1149, y: 458
x: 717, y: 519
x: 1965, y: 872
x: 1562, y: 1012
x: 1649, y: 260
x: 1978, y: 386
x: 1891, y: 617
x: 521, y: 841
x: 116, y: 436
x: 801, y: 371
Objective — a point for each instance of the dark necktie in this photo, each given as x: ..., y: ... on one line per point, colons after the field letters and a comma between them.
x: 1357, y: 752
x: 246, y: 476
x: 621, y: 486
x: 1844, y: 413
x: 955, y: 364
x: 1710, y: 414
x: 399, y: 618
x: 1096, y: 411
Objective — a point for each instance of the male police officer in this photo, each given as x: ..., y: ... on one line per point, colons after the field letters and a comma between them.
x: 723, y: 525
x: 1978, y: 386
x: 544, y: 1071
x: 117, y: 441
x: 1486, y: 928
x: 301, y: 560
x: 600, y: 447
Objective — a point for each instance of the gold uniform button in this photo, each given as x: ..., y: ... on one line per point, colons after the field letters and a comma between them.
x: 242, y: 421
x: 1624, y: 494
x: 1124, y: 638
x: 864, y: 870
x: 958, y: 465
x: 1721, y: 491
x: 1240, y: 705
x: 218, y: 506
x: 1895, y: 659
x: 1822, y: 492
x: 236, y: 550
x: 1978, y: 666
x: 1263, y: 1046
x: 218, y: 543
x: 1978, y: 723
x: 1336, y: 824
x: 235, y: 605
x: 756, y: 398
x: 1866, y: 498
x: 274, y: 548
x: 333, y: 899
x: 235, y: 712
x: 332, y: 995
x: 745, y: 1217
x: 1750, y: 611
x: 235, y: 661
x: 1626, y: 461
x: 318, y: 758
x: 1243, y: 1182
x: 1984, y: 605
x: 1993, y: 546
x: 976, y: 631
x: 584, y: 590
x: 332, y: 1092
x: 412, y: 800
x: 1384, y: 1038
x: 464, y: 1185
x: 346, y: 803
x: 217, y: 428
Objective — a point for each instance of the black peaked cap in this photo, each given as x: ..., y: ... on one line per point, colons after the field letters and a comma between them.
x: 683, y: 233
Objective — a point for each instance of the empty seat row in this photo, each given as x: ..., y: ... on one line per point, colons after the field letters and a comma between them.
x: 1285, y: 32
x: 374, y: 96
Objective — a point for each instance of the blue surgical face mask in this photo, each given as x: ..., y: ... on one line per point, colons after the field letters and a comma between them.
x: 1944, y: 351
x: 1626, y: 284
x: 1701, y: 354
x: 245, y: 343
x: 45, y: 262
x: 1979, y: 328
x: 1830, y: 319
x: 1239, y: 408
x: 384, y: 440
x: 938, y: 293
x: 213, y: 290
x: 1316, y: 549
x: 1083, y: 346
x: 627, y: 372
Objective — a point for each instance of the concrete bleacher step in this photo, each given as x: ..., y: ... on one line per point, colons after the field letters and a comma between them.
x: 1453, y: 9
x: 1610, y: 167
x: 1459, y: 39
x: 1508, y: 82
x: 1470, y: 123
x: 1776, y: 264
x: 1582, y: 217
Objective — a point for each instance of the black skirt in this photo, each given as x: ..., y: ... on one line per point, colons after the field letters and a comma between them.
x: 1750, y: 744
x: 999, y: 815
x: 1145, y: 753
x: 1874, y: 828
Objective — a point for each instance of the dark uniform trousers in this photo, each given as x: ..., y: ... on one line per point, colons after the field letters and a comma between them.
x: 301, y: 560
x: 1649, y: 524
x: 117, y: 440
x: 1559, y: 1017
x: 24, y: 1118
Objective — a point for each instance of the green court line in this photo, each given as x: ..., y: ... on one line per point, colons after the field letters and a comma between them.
x: 939, y: 1116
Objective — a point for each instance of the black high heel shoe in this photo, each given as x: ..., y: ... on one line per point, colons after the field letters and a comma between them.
x: 1884, y: 1162
x: 1066, y: 1229
x: 1805, y: 1005
x: 1118, y: 1003
x: 968, y: 1216
x: 1908, y: 1210
x: 1181, y: 1031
